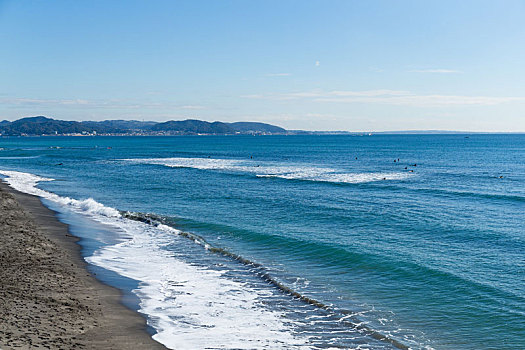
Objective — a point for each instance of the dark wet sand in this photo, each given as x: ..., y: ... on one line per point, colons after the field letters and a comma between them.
x: 48, y: 300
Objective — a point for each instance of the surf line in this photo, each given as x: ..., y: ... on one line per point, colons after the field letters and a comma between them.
x: 349, y: 320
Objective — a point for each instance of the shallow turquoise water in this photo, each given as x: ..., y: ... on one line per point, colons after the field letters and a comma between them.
x: 431, y: 256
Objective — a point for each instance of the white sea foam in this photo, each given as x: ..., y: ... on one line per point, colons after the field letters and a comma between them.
x: 191, y: 307
x: 274, y: 169
x: 19, y: 157
x: 26, y: 183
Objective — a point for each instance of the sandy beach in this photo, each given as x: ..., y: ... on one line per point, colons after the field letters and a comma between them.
x: 47, y: 297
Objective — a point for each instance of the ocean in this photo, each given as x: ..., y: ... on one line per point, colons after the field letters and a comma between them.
x: 300, y: 241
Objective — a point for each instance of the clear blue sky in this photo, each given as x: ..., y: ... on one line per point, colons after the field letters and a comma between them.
x: 314, y: 65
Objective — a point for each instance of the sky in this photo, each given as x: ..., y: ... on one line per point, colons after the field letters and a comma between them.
x: 310, y: 65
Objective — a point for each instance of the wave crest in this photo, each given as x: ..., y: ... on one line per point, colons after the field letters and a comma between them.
x: 25, y: 182
x: 268, y: 169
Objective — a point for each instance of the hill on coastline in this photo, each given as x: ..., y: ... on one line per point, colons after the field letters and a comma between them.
x: 40, y: 125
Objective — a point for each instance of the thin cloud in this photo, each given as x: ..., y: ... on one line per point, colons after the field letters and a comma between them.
x: 391, y: 97
x: 18, y: 102
x: 74, y: 102
x: 191, y: 107
x: 36, y: 101
x: 278, y: 74
x: 442, y: 71
x: 376, y: 69
x: 369, y: 93
x: 427, y: 100
x: 255, y: 96
x: 322, y: 94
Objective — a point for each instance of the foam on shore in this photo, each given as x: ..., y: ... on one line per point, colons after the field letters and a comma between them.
x: 189, y: 306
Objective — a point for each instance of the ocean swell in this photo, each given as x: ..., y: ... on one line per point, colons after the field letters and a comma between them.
x: 193, y: 306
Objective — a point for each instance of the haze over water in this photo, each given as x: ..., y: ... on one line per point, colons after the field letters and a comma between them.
x: 383, y: 241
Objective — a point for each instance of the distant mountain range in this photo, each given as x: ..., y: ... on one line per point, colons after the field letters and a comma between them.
x: 33, y: 126
x: 46, y: 126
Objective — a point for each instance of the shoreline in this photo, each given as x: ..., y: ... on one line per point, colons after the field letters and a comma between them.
x: 47, y: 296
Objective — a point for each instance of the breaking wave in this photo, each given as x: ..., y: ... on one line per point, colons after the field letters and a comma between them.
x: 269, y: 169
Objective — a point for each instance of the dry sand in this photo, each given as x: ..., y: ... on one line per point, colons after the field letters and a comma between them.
x: 47, y: 297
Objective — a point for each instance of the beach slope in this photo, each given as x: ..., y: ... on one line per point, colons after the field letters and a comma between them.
x: 47, y: 297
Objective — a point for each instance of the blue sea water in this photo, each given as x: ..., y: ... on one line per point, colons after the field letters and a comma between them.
x: 369, y: 242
